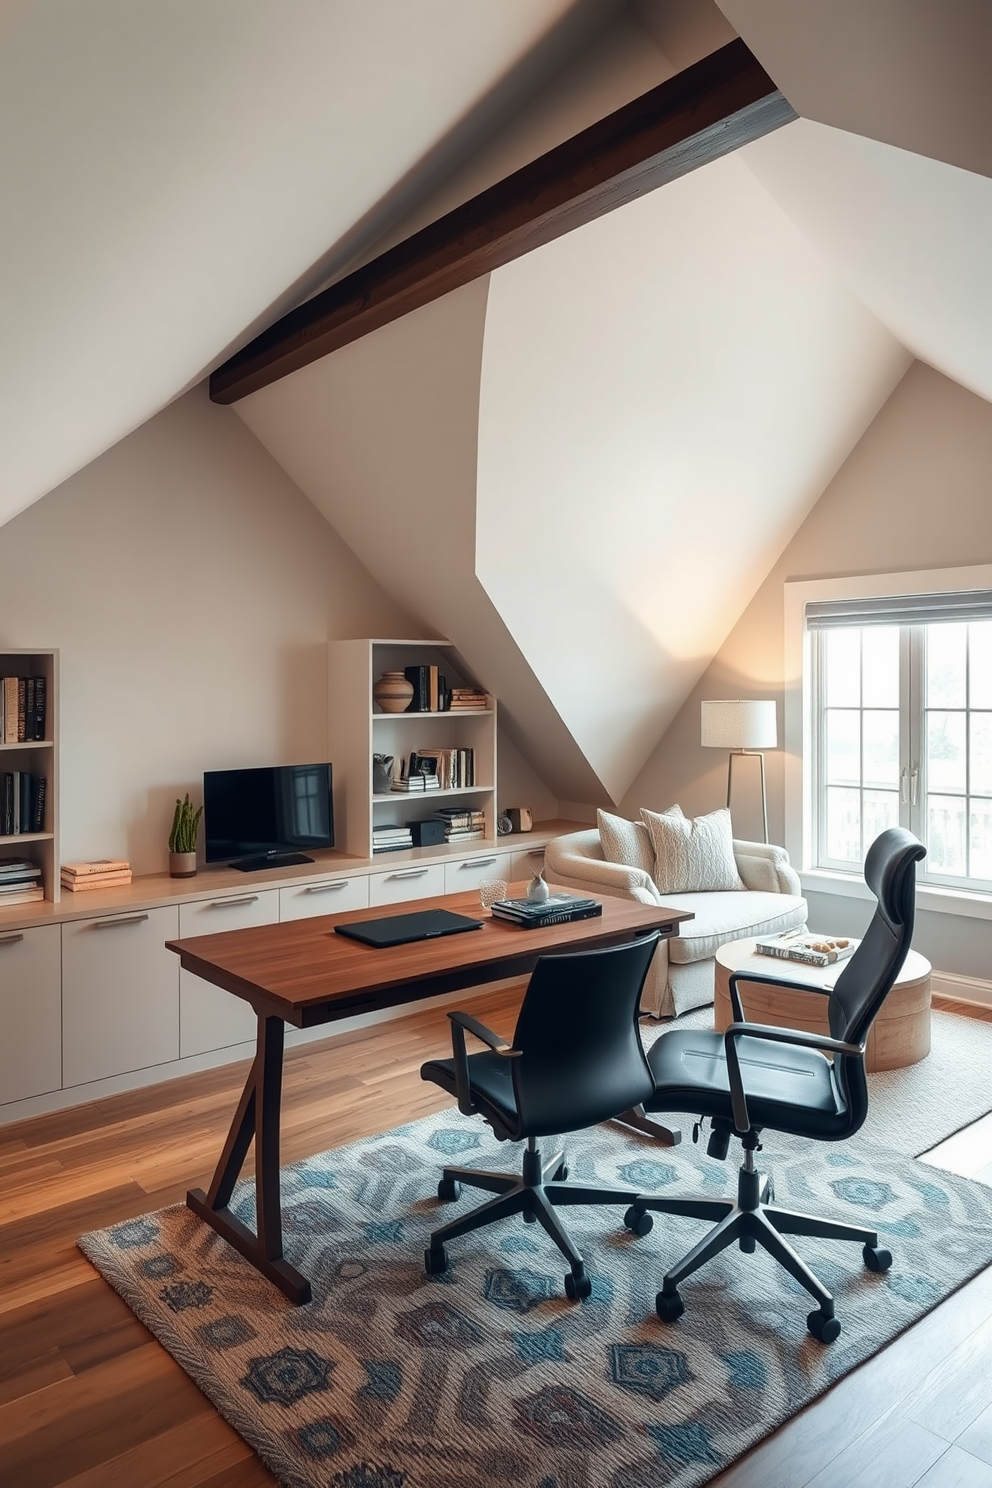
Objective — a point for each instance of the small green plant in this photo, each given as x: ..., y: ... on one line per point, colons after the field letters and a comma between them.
x: 185, y: 821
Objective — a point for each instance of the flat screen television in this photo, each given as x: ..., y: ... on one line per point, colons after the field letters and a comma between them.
x: 262, y: 818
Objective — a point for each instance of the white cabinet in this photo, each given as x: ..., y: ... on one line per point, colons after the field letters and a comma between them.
x: 120, y: 994
x: 30, y: 1012
x: 209, y: 1017
x: 467, y: 873
x: 526, y: 863
x: 410, y: 882
x: 326, y: 896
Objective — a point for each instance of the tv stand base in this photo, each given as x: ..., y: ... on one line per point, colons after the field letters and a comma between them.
x: 269, y: 860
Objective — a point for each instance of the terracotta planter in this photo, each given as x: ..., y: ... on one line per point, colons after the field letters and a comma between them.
x: 393, y: 693
x: 182, y: 865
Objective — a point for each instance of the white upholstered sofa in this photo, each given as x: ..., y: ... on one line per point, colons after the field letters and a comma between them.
x: 681, y: 974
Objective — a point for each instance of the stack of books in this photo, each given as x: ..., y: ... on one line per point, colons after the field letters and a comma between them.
x: 555, y: 910
x: 20, y: 882
x: 22, y: 803
x: 389, y: 838
x: 22, y: 709
x: 468, y: 697
x: 802, y: 945
x: 454, y: 768
x: 460, y: 824
x: 417, y: 773
x: 96, y: 873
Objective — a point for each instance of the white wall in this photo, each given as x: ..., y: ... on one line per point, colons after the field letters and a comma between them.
x: 914, y: 494
x: 191, y: 589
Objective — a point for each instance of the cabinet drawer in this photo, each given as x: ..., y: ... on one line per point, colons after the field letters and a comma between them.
x: 406, y: 883
x: 30, y: 1012
x: 209, y: 1017
x: 469, y: 872
x: 330, y: 896
x: 120, y: 994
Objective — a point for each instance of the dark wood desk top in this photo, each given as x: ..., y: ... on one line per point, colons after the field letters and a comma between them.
x: 301, y: 971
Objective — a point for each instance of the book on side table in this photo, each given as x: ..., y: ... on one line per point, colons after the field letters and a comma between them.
x: 802, y: 945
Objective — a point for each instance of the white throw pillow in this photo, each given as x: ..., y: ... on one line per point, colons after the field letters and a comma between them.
x: 692, y: 856
x: 626, y: 842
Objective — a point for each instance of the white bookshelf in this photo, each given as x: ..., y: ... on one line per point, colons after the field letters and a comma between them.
x: 358, y: 729
x: 36, y: 757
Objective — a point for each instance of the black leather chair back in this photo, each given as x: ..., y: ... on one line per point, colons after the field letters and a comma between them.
x: 868, y: 977
x: 581, y: 1059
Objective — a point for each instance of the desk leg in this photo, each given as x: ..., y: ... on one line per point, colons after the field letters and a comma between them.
x: 257, y: 1116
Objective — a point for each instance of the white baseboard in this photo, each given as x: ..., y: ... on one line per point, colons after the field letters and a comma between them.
x: 971, y: 990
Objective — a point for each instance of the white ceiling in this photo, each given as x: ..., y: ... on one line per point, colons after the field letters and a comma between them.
x: 170, y: 169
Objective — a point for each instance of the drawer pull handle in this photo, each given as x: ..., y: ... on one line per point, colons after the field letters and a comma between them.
x: 230, y: 903
x: 479, y: 863
x: 341, y: 883
x: 109, y: 924
x: 410, y: 873
x: 535, y: 852
x: 10, y: 939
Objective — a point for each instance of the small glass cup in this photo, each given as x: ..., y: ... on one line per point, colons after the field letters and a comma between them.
x: 491, y: 889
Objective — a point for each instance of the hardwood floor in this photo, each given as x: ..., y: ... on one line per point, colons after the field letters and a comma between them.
x: 88, y: 1398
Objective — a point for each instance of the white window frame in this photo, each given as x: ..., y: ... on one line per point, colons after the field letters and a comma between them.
x: 798, y: 674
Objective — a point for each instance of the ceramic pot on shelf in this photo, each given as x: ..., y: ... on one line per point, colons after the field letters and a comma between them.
x: 393, y: 693
x: 182, y: 865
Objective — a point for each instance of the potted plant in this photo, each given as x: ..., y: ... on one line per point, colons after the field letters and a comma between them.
x: 182, y: 838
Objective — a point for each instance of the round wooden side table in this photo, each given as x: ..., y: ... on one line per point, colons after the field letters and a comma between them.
x: 900, y: 1034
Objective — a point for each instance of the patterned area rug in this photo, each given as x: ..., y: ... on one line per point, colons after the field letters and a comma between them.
x: 487, y: 1375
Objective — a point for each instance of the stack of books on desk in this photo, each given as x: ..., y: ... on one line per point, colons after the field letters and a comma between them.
x: 96, y: 873
x: 390, y: 838
x: 20, y: 881
x: 555, y: 910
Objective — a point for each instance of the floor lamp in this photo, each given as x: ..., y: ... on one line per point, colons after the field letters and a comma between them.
x: 744, y: 726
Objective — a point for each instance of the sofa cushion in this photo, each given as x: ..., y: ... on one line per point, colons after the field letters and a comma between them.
x: 726, y: 916
x: 692, y: 855
x: 626, y: 842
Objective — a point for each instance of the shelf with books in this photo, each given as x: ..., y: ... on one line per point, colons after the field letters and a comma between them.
x: 29, y: 764
x: 461, y: 739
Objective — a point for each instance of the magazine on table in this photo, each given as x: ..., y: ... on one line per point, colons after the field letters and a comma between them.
x: 803, y: 945
x: 556, y: 909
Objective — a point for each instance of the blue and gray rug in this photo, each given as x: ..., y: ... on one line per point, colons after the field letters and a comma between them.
x: 488, y: 1375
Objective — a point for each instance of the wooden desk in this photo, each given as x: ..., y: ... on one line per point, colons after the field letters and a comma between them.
x: 300, y: 972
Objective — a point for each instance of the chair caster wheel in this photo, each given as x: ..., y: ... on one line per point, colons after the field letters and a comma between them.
x: 747, y: 1244
x: 577, y: 1287
x: 448, y: 1190
x: 826, y: 1329
x: 669, y: 1306
x: 560, y: 1173
x: 877, y: 1259
x: 638, y: 1221
x: 435, y: 1260
x: 528, y: 1216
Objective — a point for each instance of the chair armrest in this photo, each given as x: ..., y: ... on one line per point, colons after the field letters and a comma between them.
x: 765, y: 867
x: 795, y: 1036
x: 460, y: 1022
x: 766, y: 981
x: 610, y: 878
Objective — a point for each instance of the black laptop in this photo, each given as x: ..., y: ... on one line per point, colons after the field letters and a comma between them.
x: 424, y: 924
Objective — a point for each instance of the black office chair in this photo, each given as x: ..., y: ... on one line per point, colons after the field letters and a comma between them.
x: 576, y: 1059
x: 744, y: 1086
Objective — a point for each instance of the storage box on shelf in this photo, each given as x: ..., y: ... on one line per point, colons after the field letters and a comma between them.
x: 37, y: 758
x: 359, y: 728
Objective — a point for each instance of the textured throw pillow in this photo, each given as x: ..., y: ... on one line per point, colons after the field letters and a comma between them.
x: 626, y: 842
x: 692, y: 856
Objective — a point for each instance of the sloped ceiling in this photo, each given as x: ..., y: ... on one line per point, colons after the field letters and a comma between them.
x: 173, y: 173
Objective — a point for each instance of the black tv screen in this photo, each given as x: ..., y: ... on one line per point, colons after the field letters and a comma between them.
x: 265, y: 815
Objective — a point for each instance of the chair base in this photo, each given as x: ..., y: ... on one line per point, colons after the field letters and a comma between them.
x: 534, y: 1194
x: 754, y: 1220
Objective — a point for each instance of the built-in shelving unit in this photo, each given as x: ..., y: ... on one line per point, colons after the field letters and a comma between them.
x: 36, y: 757
x: 358, y: 729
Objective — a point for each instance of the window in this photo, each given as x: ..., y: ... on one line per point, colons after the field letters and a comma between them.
x: 900, y: 731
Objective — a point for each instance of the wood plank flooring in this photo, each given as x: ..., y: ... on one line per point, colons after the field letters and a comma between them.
x: 88, y: 1398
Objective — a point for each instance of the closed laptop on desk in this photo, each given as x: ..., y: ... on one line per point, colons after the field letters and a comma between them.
x: 423, y: 924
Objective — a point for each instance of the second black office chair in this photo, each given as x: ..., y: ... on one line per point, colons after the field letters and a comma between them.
x: 752, y: 1077
x: 576, y: 1059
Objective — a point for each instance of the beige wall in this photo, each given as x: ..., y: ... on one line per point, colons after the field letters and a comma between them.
x: 191, y: 589
x: 913, y: 494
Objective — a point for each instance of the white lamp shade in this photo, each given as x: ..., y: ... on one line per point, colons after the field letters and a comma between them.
x: 740, y: 723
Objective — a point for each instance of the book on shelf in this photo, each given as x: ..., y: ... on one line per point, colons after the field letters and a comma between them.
x: 85, y: 867
x: 557, y: 909
x: 10, y: 710
x: 22, y: 803
x: 95, y: 881
x: 464, y: 834
x: 22, y: 709
x: 810, y: 949
x: 18, y: 870
x: 455, y: 768
x: 25, y: 895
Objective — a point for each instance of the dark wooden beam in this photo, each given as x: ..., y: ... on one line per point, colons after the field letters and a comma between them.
x: 709, y: 110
